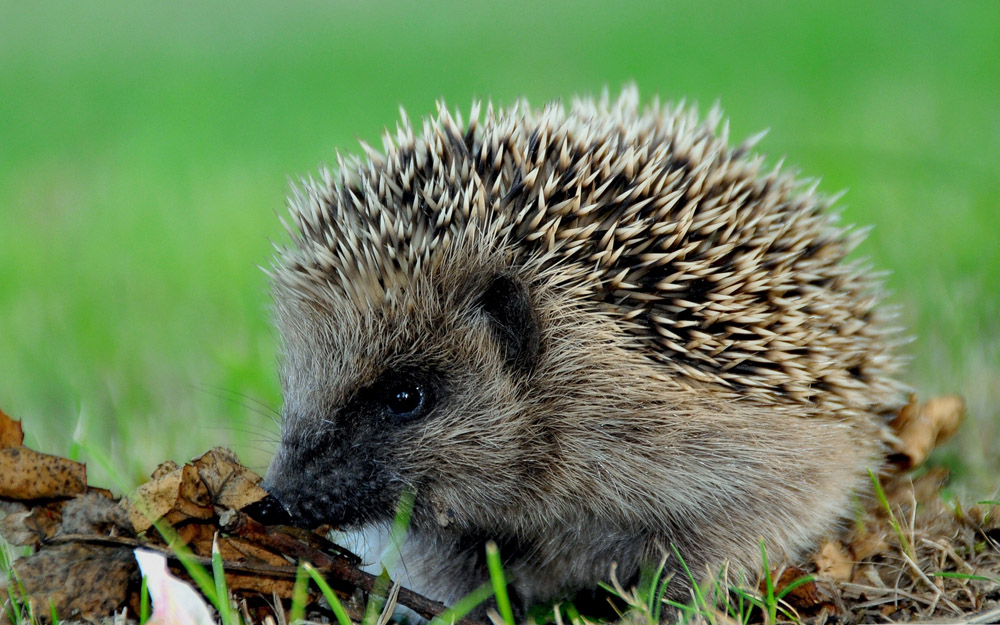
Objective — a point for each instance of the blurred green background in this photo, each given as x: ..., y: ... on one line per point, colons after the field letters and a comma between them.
x: 146, y: 147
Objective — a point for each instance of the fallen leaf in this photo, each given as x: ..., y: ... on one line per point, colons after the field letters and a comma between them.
x: 163, y: 468
x: 11, y: 434
x: 174, y: 497
x: 30, y: 527
x: 81, y: 581
x: 263, y: 584
x: 920, y: 429
x: 946, y: 413
x: 198, y: 536
x: 803, y: 596
x: 906, y: 415
x: 241, y: 550
x: 179, y: 493
x: 26, y: 474
x: 229, y: 483
x: 95, y: 512
x: 17, y: 529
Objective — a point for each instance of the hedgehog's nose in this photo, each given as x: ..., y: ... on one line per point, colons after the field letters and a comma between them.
x: 299, y: 491
x: 269, y: 511
x: 287, y: 505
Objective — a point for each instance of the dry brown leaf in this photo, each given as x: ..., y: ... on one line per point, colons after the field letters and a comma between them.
x: 16, y: 529
x: 84, y: 567
x: 198, y: 536
x: 175, y: 496
x: 30, y: 527
x: 906, y: 415
x: 264, y: 585
x: 947, y: 413
x: 83, y: 581
x: 243, y: 550
x: 95, y: 512
x: 833, y: 562
x: 195, y: 501
x: 11, y: 434
x: 165, y: 467
x: 26, y: 474
x: 230, y: 484
x: 804, y: 596
x: 920, y: 428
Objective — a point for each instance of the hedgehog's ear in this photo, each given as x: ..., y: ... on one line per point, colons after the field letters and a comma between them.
x: 507, y: 305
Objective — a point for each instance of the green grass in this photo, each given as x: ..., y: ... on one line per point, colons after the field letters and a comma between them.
x: 499, y: 581
x: 145, y: 148
x: 711, y: 601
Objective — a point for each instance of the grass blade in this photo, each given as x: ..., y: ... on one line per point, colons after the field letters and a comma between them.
x: 769, y: 600
x: 328, y: 594
x: 297, y: 613
x: 896, y: 527
x: 143, y: 602
x: 499, y: 583
x: 463, y: 606
x: 221, y: 591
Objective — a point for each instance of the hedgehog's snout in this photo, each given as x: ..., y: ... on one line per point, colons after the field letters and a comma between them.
x: 308, y: 512
x: 309, y: 482
x: 332, y: 475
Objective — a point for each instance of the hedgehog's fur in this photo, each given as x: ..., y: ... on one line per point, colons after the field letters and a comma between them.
x: 633, y: 337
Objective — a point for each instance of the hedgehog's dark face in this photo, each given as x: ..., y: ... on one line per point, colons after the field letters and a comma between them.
x: 419, y: 393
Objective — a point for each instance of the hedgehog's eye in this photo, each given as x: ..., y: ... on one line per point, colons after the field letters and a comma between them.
x: 405, y: 399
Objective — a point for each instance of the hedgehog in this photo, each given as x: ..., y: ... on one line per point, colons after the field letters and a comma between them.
x: 598, y: 337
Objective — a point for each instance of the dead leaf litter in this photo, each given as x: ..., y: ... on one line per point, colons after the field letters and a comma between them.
x: 920, y: 559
